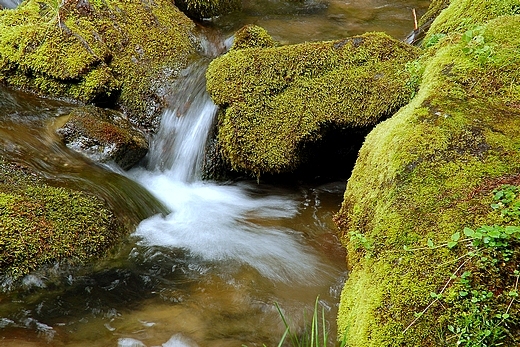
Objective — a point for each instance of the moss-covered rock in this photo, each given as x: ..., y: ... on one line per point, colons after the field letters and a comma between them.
x: 99, y: 52
x: 41, y: 224
x: 201, y: 9
x: 104, y: 136
x: 278, y: 101
x: 424, y: 175
x: 252, y: 36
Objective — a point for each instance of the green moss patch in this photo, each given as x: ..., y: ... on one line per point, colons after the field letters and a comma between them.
x: 428, y: 173
x: 200, y: 9
x: 278, y: 100
x: 41, y: 224
x: 96, y: 52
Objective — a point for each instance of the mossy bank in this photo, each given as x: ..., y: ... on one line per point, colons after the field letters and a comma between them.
x: 110, y: 53
x: 41, y: 224
x: 279, y: 102
x: 425, y: 179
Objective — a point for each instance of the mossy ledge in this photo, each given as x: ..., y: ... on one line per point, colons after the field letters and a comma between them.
x: 205, y: 9
x: 101, y: 52
x: 42, y: 224
x: 429, y: 172
x: 278, y: 102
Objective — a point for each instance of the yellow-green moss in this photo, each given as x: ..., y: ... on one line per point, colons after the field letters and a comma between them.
x: 201, y: 9
x: 276, y: 100
x: 41, y: 224
x: 252, y: 36
x: 466, y: 14
x: 427, y: 173
x: 95, y: 51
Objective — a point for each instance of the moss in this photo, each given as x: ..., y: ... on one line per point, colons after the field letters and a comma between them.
x: 435, y: 8
x: 252, y: 36
x: 427, y: 173
x: 464, y: 15
x: 278, y: 100
x: 41, y: 224
x: 200, y: 9
x: 96, y: 52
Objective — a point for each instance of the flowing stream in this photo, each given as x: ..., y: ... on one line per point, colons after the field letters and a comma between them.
x: 209, y: 262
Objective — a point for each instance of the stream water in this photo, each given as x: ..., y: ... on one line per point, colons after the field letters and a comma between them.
x: 209, y: 261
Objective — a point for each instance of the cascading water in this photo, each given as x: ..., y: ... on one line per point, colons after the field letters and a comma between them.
x: 214, y: 222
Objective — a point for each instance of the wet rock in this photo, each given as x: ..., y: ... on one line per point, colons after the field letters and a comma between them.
x: 290, y: 106
x: 42, y: 224
x: 9, y: 4
x: 426, y: 176
x: 104, y: 136
x: 98, y: 52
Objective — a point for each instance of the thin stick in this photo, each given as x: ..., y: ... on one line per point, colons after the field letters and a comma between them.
x: 436, y: 299
x: 415, y: 25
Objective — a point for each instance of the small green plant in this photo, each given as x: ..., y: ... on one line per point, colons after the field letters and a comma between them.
x: 476, y: 45
x: 433, y: 40
x: 481, y: 319
x: 361, y: 241
x: 316, y: 335
x: 415, y: 69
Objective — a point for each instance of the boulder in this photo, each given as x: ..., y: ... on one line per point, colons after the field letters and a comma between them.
x: 42, y: 224
x: 104, y: 136
x: 430, y: 213
x: 112, y: 53
x: 280, y: 103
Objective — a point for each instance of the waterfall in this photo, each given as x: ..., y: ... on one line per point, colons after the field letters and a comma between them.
x: 178, y: 147
x: 215, y: 222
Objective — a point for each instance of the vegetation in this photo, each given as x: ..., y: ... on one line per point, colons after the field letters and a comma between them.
x: 278, y: 101
x: 200, y: 9
x: 252, y: 36
x: 96, y: 52
x: 41, y: 224
x: 425, y: 177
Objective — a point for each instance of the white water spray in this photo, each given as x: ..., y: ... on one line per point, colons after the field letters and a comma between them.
x: 216, y: 223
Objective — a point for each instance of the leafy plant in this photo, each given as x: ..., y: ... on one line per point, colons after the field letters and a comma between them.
x: 480, y: 321
x: 361, y: 241
x: 477, y: 46
x: 433, y: 40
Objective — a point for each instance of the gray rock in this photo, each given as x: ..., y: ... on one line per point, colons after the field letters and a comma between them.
x: 104, y: 136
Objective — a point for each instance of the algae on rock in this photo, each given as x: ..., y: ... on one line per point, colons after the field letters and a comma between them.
x: 100, y: 52
x: 277, y: 101
x: 42, y: 224
x: 427, y: 173
x: 104, y: 136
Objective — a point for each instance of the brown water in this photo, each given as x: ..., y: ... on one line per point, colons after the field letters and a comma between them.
x: 318, y: 20
x: 211, y: 261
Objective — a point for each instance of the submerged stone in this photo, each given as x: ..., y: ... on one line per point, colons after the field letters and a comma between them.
x: 279, y: 103
x: 425, y: 175
x: 104, y: 136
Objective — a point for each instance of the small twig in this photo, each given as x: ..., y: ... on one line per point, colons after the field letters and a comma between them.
x: 513, y: 299
x: 436, y: 299
x: 415, y: 25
